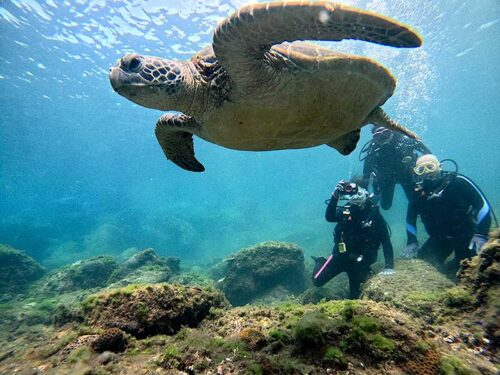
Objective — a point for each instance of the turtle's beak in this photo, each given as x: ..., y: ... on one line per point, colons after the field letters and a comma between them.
x: 117, y: 78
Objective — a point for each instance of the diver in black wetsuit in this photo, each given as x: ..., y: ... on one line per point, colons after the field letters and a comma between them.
x: 390, y: 157
x: 359, y: 232
x: 455, y: 214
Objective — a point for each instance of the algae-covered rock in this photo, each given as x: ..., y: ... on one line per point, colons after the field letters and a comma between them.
x: 154, y: 309
x: 362, y: 337
x: 254, y: 271
x: 480, y: 277
x: 17, y: 270
x: 145, y: 267
x: 84, y: 274
x: 416, y: 288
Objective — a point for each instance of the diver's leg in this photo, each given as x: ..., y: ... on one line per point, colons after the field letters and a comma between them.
x: 358, y: 273
x: 434, y: 252
x: 409, y: 189
x: 387, y: 194
x: 327, y: 269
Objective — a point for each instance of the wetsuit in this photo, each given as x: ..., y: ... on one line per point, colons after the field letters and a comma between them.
x: 392, y: 164
x: 362, y: 231
x: 452, y: 213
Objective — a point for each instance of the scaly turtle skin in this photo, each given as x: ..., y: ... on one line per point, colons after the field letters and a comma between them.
x: 253, y: 90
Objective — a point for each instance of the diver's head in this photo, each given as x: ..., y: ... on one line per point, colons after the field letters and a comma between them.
x: 358, y: 197
x: 382, y: 136
x: 150, y: 81
x: 427, y: 167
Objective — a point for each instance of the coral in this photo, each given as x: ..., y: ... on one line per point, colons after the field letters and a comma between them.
x: 253, y: 271
x: 148, y: 310
x: 428, y: 364
x: 17, y: 270
x: 112, y: 340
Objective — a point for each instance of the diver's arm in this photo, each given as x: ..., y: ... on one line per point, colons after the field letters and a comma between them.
x: 475, y: 198
x: 411, y: 223
x: 331, y: 210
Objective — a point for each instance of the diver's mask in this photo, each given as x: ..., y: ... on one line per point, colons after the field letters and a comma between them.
x: 427, y: 173
x: 358, y: 198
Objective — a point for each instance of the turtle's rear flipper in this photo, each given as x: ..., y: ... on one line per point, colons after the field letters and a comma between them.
x: 380, y: 118
x: 346, y: 143
x: 172, y: 132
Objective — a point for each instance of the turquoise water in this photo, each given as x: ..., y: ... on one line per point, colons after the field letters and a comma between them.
x: 81, y: 172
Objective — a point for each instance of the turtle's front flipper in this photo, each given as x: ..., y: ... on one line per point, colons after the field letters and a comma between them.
x: 380, y: 118
x: 346, y: 143
x: 242, y: 41
x: 175, y: 135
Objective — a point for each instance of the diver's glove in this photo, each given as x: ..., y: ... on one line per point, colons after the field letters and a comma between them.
x: 339, y: 189
x: 477, y: 242
x: 387, y: 272
x: 410, y: 251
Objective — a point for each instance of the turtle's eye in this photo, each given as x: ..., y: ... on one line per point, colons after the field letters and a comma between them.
x: 135, y: 64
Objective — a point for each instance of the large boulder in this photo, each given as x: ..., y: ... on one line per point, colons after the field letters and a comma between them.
x: 17, y: 270
x: 150, y: 310
x: 263, y: 269
x: 145, y: 267
x: 416, y: 288
x: 84, y: 274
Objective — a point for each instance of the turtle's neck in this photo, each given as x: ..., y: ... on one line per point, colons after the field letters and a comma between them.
x: 196, y: 100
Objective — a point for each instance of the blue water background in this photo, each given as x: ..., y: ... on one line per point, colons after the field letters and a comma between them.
x: 81, y: 172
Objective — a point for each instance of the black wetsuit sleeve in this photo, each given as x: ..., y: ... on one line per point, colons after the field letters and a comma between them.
x: 411, y: 223
x: 475, y: 199
x: 419, y: 146
x: 385, y: 240
x: 368, y: 168
x: 331, y: 210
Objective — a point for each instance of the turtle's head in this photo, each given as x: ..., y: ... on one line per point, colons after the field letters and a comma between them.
x: 150, y: 81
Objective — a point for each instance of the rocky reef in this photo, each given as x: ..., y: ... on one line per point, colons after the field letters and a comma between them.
x: 263, y: 269
x: 415, y: 322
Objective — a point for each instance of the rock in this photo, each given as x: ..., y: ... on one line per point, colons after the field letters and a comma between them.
x: 145, y: 267
x: 106, y: 357
x: 150, y: 310
x: 480, y: 277
x: 17, y: 271
x: 84, y: 274
x: 254, y: 271
x: 416, y: 288
x: 112, y: 340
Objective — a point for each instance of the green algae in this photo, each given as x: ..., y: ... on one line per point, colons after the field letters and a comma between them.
x: 335, y: 354
x: 451, y: 365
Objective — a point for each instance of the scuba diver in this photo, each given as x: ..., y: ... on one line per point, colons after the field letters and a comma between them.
x: 389, y: 157
x: 455, y: 213
x: 359, y: 232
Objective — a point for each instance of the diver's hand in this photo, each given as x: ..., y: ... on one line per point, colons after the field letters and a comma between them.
x: 339, y: 189
x: 387, y: 272
x: 410, y: 251
x: 477, y: 242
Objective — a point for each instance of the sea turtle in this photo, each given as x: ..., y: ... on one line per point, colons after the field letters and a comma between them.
x: 260, y: 87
